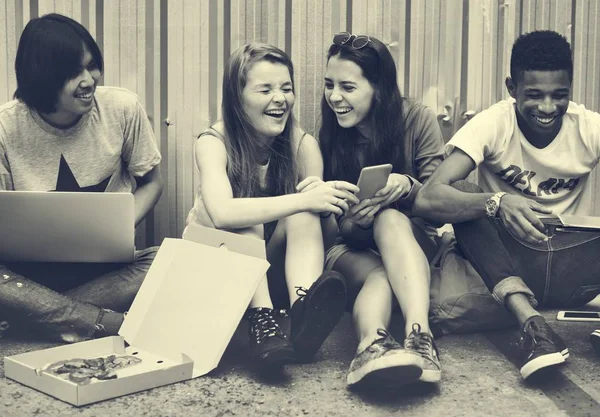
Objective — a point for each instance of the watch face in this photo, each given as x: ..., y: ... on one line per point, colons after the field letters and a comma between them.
x: 491, y: 207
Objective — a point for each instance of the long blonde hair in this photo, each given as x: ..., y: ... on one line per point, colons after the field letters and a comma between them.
x: 242, y: 141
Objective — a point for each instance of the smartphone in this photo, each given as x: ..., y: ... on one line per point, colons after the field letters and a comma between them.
x: 372, y: 179
x: 578, y: 315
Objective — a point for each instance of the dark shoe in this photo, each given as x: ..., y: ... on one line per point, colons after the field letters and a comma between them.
x: 542, y: 346
x: 595, y: 341
x: 423, y: 344
x: 269, y: 346
x: 384, y: 364
x: 316, y: 313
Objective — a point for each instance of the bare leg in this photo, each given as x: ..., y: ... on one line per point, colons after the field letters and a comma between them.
x: 262, y: 297
x: 296, y: 252
x: 372, y: 308
x: 520, y: 306
x: 406, y: 266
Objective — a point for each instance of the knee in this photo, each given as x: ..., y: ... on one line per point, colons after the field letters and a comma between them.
x: 145, y: 257
x: 303, y: 221
x: 391, y: 224
x: 467, y: 186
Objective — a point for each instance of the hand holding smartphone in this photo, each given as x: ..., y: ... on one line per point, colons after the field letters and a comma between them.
x: 372, y: 179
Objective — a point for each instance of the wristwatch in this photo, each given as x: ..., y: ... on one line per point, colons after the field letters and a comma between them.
x: 493, y: 204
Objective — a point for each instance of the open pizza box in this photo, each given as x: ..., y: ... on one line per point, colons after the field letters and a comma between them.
x: 179, y: 324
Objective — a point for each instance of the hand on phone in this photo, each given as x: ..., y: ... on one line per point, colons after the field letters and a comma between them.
x: 363, y: 213
x: 398, y: 185
x: 372, y: 179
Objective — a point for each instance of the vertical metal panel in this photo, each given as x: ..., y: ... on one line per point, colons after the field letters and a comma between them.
x: 112, y: 40
x: 313, y: 25
x: 162, y: 215
x: 396, y: 35
x: 175, y: 97
x: 12, y: 40
x: 46, y: 6
x: 510, y: 17
x: 475, y: 51
x: 218, y: 39
x: 448, y: 100
x: 6, y: 66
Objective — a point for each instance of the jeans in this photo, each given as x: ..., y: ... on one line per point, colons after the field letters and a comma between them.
x: 63, y: 301
x: 561, y: 272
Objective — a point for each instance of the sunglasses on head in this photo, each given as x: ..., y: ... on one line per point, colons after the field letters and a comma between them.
x: 359, y: 41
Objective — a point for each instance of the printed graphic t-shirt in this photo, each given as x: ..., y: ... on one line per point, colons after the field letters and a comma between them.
x: 555, y: 176
x: 104, y: 151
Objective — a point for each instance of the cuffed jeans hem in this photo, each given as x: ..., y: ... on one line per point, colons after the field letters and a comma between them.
x: 80, y: 326
x: 513, y: 285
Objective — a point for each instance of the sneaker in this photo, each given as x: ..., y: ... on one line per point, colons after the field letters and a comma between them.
x: 269, y: 346
x: 542, y: 346
x: 422, y: 344
x: 316, y: 313
x: 595, y: 341
x: 384, y: 363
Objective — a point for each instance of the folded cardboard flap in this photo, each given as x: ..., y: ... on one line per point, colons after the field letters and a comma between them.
x: 246, y: 245
x: 194, y: 297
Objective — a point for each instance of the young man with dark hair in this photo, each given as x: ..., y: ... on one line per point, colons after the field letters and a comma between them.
x: 534, y: 153
x: 65, y: 133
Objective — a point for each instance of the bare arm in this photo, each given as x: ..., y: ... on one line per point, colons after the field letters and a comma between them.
x: 439, y: 201
x: 228, y: 212
x: 148, y: 191
x: 310, y: 160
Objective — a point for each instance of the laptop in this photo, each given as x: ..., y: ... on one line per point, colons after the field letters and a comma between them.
x: 571, y: 222
x: 44, y: 226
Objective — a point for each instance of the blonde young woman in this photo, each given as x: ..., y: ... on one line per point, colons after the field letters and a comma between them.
x: 250, y: 163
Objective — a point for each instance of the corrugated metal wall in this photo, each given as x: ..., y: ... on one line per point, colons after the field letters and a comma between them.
x: 451, y: 54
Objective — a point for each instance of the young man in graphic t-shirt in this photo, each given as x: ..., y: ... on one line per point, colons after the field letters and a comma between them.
x: 534, y: 153
x: 65, y: 133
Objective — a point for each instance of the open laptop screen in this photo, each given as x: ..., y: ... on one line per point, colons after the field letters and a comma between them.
x: 39, y: 226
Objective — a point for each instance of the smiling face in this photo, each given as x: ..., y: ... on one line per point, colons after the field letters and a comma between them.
x: 542, y: 99
x: 77, y: 96
x: 268, y: 97
x: 348, y: 93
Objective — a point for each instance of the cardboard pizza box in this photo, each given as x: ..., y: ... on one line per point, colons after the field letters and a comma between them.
x: 179, y: 324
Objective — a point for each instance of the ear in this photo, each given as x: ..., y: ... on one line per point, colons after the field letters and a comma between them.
x: 511, y: 87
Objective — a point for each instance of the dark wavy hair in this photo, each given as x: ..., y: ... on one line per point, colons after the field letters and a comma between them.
x: 542, y: 50
x: 241, y: 140
x: 49, y: 54
x: 385, y: 117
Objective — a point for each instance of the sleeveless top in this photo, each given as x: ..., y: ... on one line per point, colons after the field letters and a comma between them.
x: 198, y: 214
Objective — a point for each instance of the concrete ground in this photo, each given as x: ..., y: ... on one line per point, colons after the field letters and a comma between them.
x: 479, y: 379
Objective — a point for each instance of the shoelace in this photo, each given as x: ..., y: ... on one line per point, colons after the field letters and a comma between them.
x: 99, y: 326
x: 301, y: 292
x: 535, y: 336
x: 263, y: 325
x: 419, y: 342
x: 386, y: 340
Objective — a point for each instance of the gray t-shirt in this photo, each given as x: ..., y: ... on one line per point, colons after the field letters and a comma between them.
x: 109, y: 145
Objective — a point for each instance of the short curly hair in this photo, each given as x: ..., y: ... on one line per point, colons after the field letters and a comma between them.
x: 542, y: 50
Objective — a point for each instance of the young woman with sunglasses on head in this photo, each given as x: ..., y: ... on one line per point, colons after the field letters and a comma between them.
x: 249, y: 164
x: 383, y: 250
